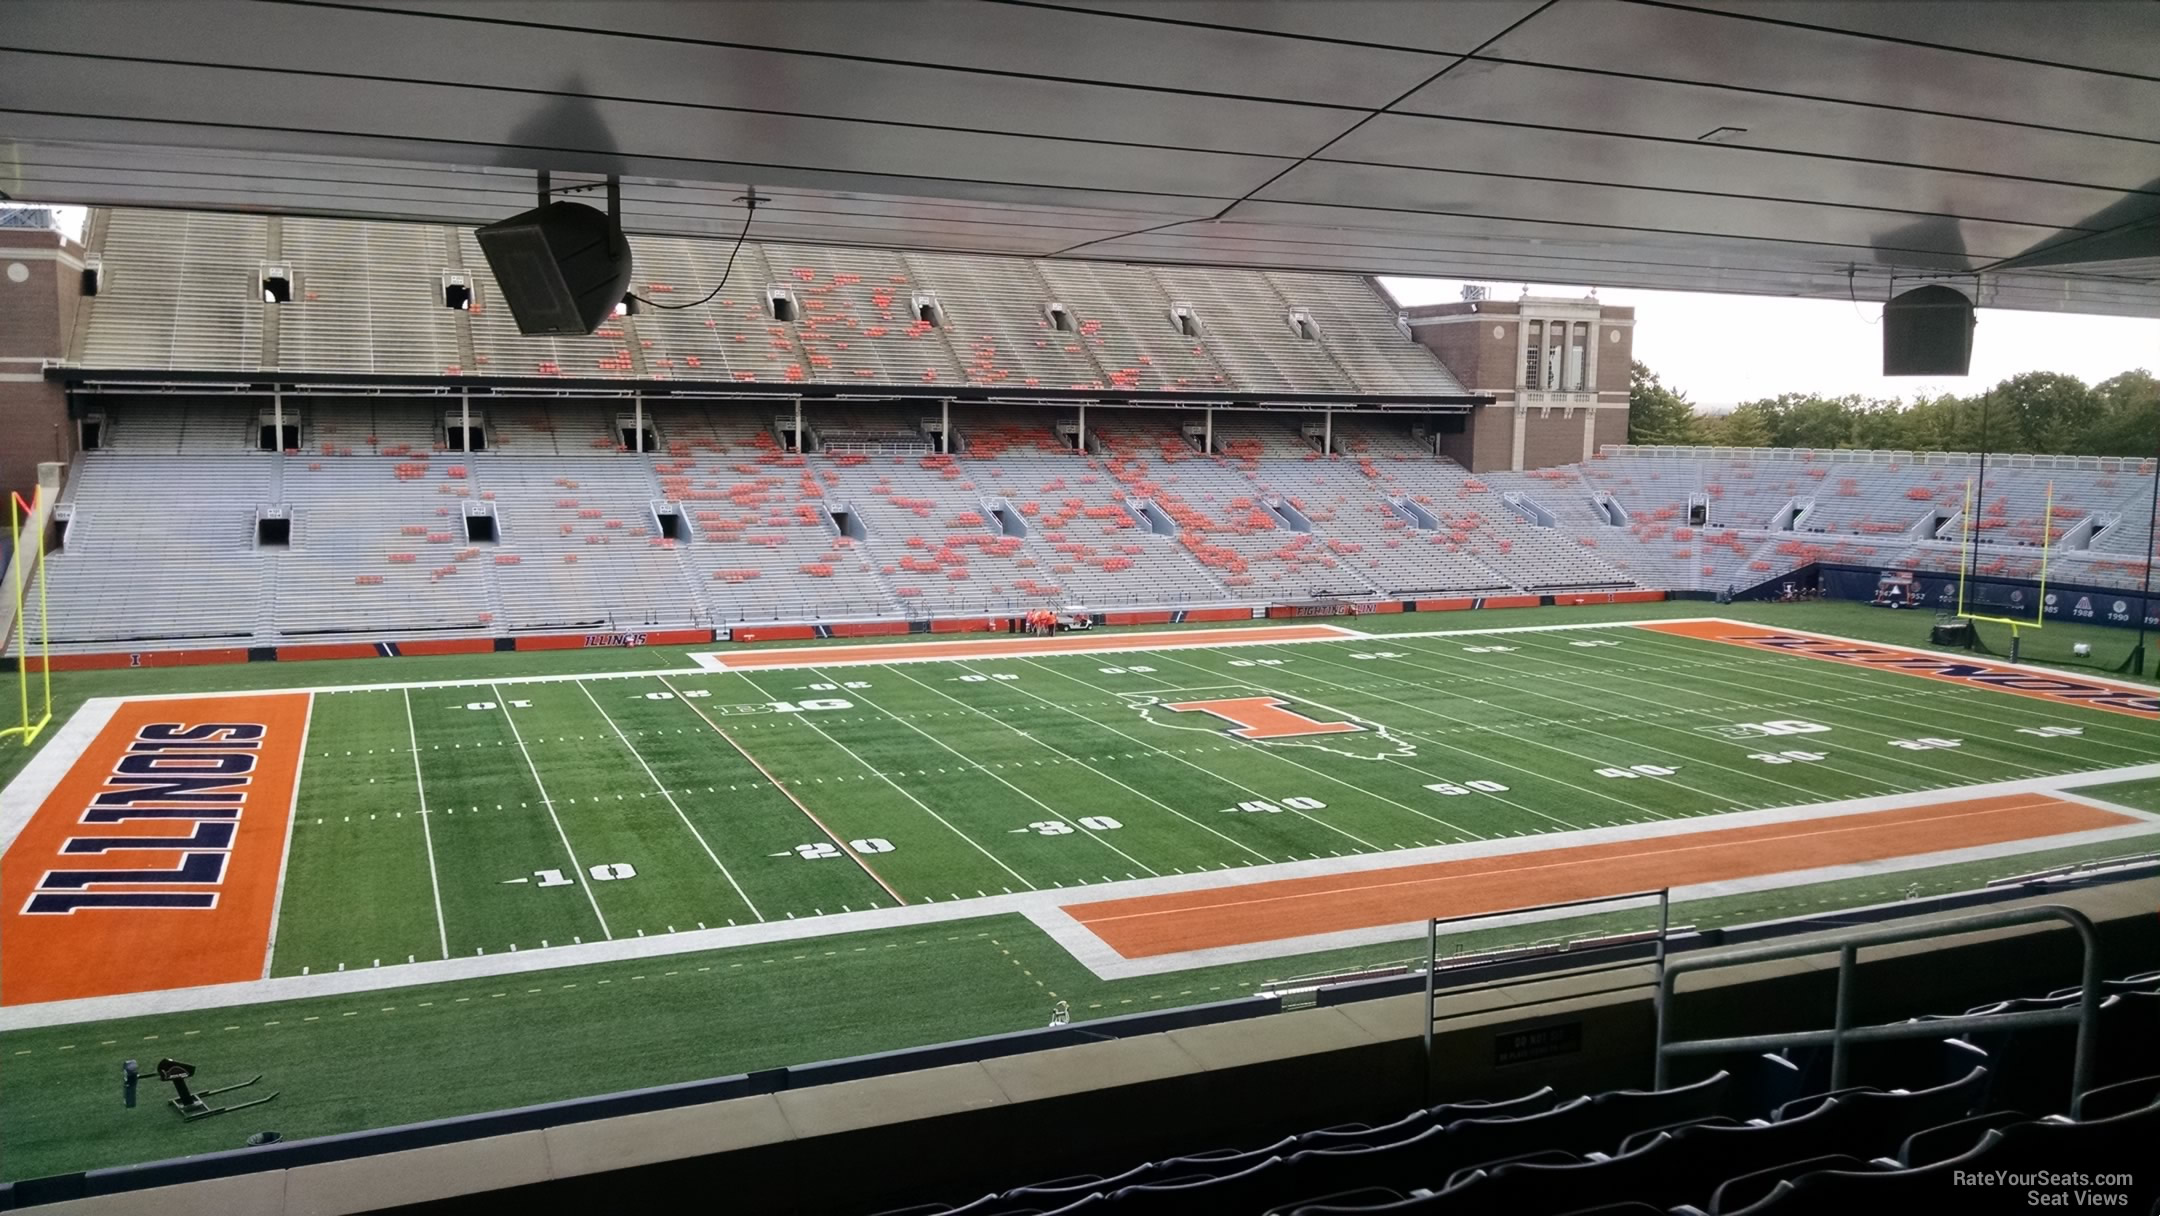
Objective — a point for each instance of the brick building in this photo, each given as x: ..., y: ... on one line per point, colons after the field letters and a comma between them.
x: 40, y: 286
x: 1557, y: 370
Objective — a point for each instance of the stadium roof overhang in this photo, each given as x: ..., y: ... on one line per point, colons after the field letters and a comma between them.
x: 1789, y: 147
x: 102, y: 380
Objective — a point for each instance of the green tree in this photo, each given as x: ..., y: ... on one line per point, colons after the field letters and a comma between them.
x: 2041, y: 412
x: 2129, y: 423
x: 1745, y: 427
x: 1657, y: 414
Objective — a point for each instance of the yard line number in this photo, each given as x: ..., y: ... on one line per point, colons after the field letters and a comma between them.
x: 1058, y: 827
x: 1263, y: 807
x: 1452, y: 789
x: 606, y: 871
x: 1926, y: 743
x: 1640, y: 770
x: 825, y: 850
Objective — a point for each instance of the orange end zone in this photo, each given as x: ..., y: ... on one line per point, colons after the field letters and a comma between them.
x: 1023, y: 647
x: 155, y: 862
x: 1150, y: 925
x: 2132, y: 699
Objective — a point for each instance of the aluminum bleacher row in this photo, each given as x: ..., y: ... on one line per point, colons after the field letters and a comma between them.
x: 161, y: 541
x: 1761, y: 1140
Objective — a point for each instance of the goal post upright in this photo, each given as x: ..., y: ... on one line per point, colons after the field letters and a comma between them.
x: 26, y: 525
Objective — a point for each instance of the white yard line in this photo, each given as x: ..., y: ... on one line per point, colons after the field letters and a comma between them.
x: 1869, y: 763
x: 1248, y: 791
x: 1255, y: 794
x: 969, y: 763
x: 583, y: 879
x: 1110, y: 643
x: 902, y: 790
x: 427, y: 833
x: 46, y: 770
x: 292, y: 824
x: 1464, y: 722
x: 1938, y: 692
x: 1044, y: 907
x: 1690, y: 736
x: 835, y: 837
x: 662, y: 787
x: 1227, y: 839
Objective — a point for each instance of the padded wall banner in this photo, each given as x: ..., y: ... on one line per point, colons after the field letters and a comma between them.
x: 2014, y: 598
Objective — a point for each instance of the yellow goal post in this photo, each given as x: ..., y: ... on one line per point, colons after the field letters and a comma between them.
x: 22, y: 584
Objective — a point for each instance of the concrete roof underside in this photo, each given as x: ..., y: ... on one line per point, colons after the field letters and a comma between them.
x: 1783, y: 147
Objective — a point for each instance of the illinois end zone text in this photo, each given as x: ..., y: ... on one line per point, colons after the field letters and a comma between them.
x: 155, y: 861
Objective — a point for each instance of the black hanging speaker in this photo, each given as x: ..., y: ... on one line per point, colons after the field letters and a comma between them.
x: 1927, y: 332
x: 561, y: 267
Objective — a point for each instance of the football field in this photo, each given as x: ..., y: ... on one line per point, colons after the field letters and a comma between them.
x: 440, y: 821
x: 1117, y: 820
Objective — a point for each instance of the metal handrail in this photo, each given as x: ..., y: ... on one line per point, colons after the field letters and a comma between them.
x: 1843, y: 1032
x: 1663, y: 896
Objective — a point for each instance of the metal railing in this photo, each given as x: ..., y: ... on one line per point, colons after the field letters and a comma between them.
x: 1588, y: 944
x: 1843, y: 1033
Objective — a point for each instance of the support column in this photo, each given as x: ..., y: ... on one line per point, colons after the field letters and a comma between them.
x: 798, y: 426
x: 637, y: 423
x: 1083, y: 428
x: 945, y: 426
x: 277, y: 416
x: 464, y: 398
x: 1589, y: 432
x: 1522, y: 425
x: 1327, y: 431
x: 1211, y: 428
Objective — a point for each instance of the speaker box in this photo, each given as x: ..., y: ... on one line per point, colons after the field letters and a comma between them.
x: 561, y: 268
x: 1927, y: 332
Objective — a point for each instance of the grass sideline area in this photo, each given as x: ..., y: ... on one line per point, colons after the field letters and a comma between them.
x: 1000, y: 759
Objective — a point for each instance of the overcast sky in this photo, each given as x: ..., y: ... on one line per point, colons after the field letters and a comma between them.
x: 1721, y: 350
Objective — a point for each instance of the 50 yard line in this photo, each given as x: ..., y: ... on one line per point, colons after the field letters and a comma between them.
x: 549, y: 803
x: 442, y: 931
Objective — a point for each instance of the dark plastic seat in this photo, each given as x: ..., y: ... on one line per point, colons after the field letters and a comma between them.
x: 1654, y: 1173
x: 1955, y: 1138
x: 1345, y: 1134
x: 2119, y: 1145
x: 1249, y: 1189
x: 1437, y: 1201
x: 2121, y: 1098
x: 1535, y: 1102
x: 1217, y: 1162
x: 973, y: 1207
x: 1422, y: 1160
x: 1057, y: 1190
x: 1644, y: 1108
x: 1742, y: 1191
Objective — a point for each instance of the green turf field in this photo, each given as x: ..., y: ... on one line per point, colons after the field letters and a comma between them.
x: 930, y: 782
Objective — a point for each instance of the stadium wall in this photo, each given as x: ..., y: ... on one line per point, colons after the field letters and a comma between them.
x: 786, y: 632
x: 1126, y: 1089
x: 2069, y: 603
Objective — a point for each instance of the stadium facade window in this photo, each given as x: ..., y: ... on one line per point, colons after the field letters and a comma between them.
x: 457, y: 292
x: 93, y: 432
x: 276, y: 283
x: 1578, y: 343
x: 268, y: 438
x: 1533, y: 377
x: 781, y: 302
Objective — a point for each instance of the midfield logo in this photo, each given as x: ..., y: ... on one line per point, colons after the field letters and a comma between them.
x: 1278, y: 721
